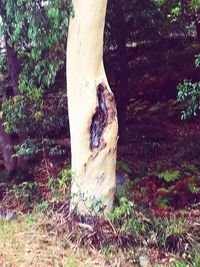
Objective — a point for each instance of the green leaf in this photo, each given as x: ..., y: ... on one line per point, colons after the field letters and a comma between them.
x: 192, y: 188
x: 169, y: 176
x: 184, y: 212
x: 162, y: 202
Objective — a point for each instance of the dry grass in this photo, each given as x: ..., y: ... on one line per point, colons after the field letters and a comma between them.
x: 28, y: 243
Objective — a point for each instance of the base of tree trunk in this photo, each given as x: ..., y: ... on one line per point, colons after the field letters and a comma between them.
x: 94, y: 178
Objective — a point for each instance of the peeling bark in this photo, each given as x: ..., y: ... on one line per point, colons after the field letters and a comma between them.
x: 92, y: 111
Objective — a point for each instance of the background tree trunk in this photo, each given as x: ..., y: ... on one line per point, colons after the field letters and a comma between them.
x: 92, y: 111
x: 14, y: 69
x: 7, y: 148
x: 14, y: 72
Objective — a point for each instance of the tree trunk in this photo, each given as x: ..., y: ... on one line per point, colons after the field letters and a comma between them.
x: 92, y: 111
x: 7, y: 149
x: 14, y: 72
x: 14, y: 69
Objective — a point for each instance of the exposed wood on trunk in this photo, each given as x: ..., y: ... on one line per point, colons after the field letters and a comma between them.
x: 92, y: 111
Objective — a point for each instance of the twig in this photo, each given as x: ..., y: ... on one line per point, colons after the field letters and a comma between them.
x: 112, y: 226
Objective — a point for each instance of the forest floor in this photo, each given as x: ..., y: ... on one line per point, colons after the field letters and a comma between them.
x: 27, y: 242
x: 156, y: 220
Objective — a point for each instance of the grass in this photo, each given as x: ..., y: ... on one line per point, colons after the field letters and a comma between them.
x: 31, y: 241
x: 26, y: 242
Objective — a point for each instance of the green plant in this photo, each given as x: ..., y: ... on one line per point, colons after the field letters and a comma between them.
x: 180, y: 263
x: 64, y: 177
x: 107, y: 252
x: 60, y: 184
x: 32, y: 147
x: 54, y: 186
x: 25, y: 192
x: 171, y: 233
x: 42, y: 206
x: 189, y: 93
x: 72, y: 263
x: 194, y: 254
x: 126, y: 219
x: 14, y: 113
x: 52, y: 182
x: 169, y: 176
x: 125, y: 209
x: 97, y: 206
x: 31, y: 218
x: 162, y: 201
x: 28, y: 148
x: 37, y: 40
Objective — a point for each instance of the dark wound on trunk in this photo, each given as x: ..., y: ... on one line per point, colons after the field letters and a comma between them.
x: 99, y: 119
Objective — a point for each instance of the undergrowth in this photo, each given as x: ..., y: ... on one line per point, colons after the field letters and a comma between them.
x: 130, y: 227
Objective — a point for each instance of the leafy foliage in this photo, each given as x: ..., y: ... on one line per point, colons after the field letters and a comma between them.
x: 189, y: 92
x: 60, y: 185
x: 32, y: 148
x: 37, y: 32
x: 25, y: 193
x: 169, y: 176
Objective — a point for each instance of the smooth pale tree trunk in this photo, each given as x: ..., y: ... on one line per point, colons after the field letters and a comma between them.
x: 92, y: 111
